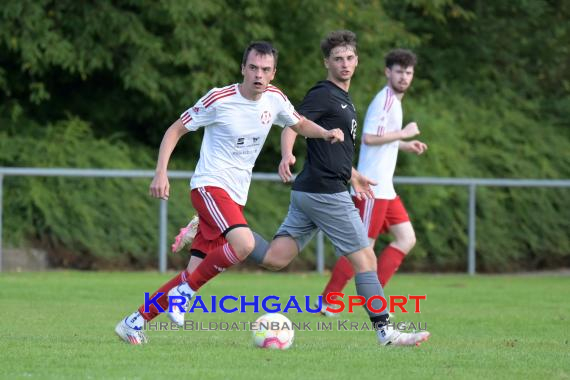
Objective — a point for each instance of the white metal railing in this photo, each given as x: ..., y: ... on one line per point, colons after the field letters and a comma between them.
x: 470, y: 183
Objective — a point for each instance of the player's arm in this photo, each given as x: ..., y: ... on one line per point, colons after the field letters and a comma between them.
x: 361, y: 185
x: 308, y: 128
x: 413, y: 146
x: 288, y: 137
x: 159, y: 187
x: 407, y: 132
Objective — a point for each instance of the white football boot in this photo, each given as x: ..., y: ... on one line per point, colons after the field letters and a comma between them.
x: 131, y: 335
x: 388, y: 335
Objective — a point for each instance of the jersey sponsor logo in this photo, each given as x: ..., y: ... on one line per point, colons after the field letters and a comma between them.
x: 247, y: 145
x: 245, y: 141
x: 353, y: 130
x: 246, y: 152
x: 265, y: 117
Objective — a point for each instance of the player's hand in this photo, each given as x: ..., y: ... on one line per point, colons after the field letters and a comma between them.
x: 285, y: 167
x: 159, y: 187
x: 361, y: 186
x: 410, y: 130
x: 334, y: 136
x: 417, y: 147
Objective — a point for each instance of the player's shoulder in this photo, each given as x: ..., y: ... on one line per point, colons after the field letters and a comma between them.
x: 218, y: 94
x: 384, y: 98
x: 321, y: 92
x: 274, y: 92
x: 323, y: 86
x: 384, y: 92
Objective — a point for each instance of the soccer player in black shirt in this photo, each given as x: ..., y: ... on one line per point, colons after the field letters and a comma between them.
x: 320, y: 197
x: 326, y: 170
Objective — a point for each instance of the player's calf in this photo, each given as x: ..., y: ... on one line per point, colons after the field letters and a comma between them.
x: 281, y: 252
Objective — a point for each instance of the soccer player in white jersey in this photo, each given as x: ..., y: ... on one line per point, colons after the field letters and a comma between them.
x: 382, y: 138
x: 320, y: 198
x: 237, y: 119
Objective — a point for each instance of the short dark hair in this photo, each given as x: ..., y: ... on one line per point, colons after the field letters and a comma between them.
x: 263, y: 48
x: 402, y: 57
x: 338, y: 38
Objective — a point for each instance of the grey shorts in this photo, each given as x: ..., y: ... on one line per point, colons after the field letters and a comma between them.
x: 334, y: 214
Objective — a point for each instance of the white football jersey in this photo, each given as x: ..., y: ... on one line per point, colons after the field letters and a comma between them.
x: 235, y: 130
x: 378, y: 162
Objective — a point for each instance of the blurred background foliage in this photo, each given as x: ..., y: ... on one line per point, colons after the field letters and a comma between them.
x: 96, y: 84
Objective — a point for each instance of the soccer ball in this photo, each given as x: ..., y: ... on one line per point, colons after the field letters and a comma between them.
x: 273, y: 330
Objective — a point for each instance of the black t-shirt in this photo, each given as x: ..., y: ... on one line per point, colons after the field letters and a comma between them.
x: 328, y: 167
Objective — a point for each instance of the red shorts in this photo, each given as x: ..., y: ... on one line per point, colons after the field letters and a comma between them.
x: 379, y: 214
x: 218, y: 215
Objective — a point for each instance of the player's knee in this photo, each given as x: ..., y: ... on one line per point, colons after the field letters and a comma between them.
x: 244, y: 247
x: 412, y: 242
x: 407, y: 243
x: 370, y: 263
x: 363, y: 260
x: 273, y: 263
x: 273, y: 266
x: 249, y: 246
x: 275, y: 260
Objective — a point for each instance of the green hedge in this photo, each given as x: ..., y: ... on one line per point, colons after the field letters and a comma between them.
x: 83, y: 223
x: 517, y: 228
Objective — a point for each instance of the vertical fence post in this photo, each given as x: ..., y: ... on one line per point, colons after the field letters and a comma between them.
x: 1, y: 203
x: 472, y: 218
x: 320, y: 252
x: 163, y: 223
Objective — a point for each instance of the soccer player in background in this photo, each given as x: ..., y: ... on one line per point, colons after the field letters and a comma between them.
x: 382, y: 138
x: 237, y: 119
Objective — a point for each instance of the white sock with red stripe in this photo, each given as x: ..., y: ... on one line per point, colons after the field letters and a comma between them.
x: 216, y: 262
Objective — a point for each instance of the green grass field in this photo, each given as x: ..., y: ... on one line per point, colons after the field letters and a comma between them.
x: 60, y: 325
